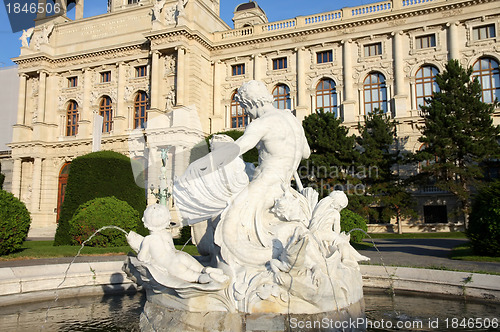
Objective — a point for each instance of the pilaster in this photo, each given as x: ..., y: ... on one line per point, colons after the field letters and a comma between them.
x: 349, y: 102
x: 180, y: 76
x: 401, y: 91
x: 16, y: 178
x: 37, y: 179
x: 217, y: 118
x: 21, y: 101
x: 453, y: 41
x: 85, y: 121
x: 155, y: 73
x: 120, y: 109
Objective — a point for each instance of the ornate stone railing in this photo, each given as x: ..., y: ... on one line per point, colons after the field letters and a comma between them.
x: 407, y: 3
x: 322, y: 18
x: 372, y: 8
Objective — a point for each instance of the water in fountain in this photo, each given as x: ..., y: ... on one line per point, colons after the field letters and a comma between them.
x: 74, y: 258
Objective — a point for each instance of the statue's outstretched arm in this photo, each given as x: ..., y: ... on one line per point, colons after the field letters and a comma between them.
x: 253, y: 134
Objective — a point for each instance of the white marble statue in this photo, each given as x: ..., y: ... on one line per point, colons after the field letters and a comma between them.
x: 24, y: 37
x: 282, y: 250
x: 157, y: 9
x: 169, y: 266
x: 46, y: 32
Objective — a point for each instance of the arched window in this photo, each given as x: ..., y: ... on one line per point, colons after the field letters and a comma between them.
x: 72, y: 118
x: 140, y: 108
x: 239, y: 118
x: 61, y: 188
x: 106, y: 111
x: 281, y: 94
x: 326, y: 96
x: 425, y: 84
x: 375, y: 93
x: 487, y: 72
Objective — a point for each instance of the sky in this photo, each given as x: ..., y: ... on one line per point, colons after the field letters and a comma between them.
x: 276, y: 10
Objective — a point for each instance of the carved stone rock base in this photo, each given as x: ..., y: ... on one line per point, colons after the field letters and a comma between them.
x: 159, y: 318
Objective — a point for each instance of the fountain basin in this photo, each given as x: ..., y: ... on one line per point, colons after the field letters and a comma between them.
x: 35, y: 283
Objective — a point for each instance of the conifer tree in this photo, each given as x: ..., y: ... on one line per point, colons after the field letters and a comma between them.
x: 458, y: 134
x: 379, y: 157
x: 333, y: 153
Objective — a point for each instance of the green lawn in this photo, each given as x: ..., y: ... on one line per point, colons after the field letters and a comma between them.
x: 464, y: 252
x: 45, y: 249
x: 444, y: 235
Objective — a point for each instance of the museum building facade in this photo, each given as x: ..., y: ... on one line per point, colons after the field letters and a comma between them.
x: 166, y: 72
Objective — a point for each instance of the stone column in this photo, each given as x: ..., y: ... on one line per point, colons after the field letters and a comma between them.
x: 21, y: 101
x: 37, y: 179
x: 218, y: 115
x: 349, y: 102
x: 453, y: 41
x: 16, y: 178
x: 401, y: 92
x: 257, y: 64
x: 119, y: 109
x: 180, y: 76
x: 155, y: 58
x: 86, y: 115
x: 52, y: 94
x: 347, y: 63
x: 301, y: 106
x: 41, y: 97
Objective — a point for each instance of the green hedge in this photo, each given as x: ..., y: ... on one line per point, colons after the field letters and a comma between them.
x: 14, y: 223
x: 99, y: 212
x: 484, y: 221
x: 98, y: 174
x: 350, y: 220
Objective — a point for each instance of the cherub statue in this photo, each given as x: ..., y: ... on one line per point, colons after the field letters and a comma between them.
x: 158, y: 252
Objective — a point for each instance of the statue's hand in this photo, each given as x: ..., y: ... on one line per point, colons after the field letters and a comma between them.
x: 134, y: 240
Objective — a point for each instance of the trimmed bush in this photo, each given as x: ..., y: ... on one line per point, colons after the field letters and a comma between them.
x: 14, y: 223
x: 99, y: 174
x: 184, y: 236
x: 350, y: 220
x: 484, y: 222
x: 99, y: 212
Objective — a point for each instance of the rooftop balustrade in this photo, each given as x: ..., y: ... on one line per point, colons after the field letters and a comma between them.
x: 340, y: 15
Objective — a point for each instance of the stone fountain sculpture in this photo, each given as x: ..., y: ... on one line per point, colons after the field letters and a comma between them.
x: 267, y: 249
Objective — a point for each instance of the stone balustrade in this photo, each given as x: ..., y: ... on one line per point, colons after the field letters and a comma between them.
x: 321, y: 18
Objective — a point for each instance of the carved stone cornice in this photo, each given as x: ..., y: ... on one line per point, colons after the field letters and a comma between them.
x: 84, y: 58
x: 159, y: 38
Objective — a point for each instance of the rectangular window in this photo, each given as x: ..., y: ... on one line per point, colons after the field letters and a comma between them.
x: 435, y: 214
x: 72, y: 82
x: 238, y: 69
x: 373, y: 49
x: 484, y: 32
x: 141, y: 71
x: 105, y: 76
x: 279, y: 63
x: 324, y: 57
x: 131, y: 2
x: 425, y: 41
